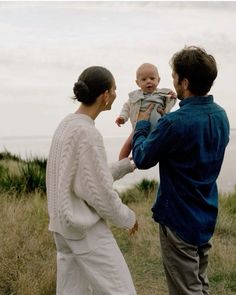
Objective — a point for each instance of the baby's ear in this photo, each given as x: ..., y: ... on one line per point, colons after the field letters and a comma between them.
x: 137, y: 83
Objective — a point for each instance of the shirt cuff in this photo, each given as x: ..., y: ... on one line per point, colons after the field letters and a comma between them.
x: 142, y: 124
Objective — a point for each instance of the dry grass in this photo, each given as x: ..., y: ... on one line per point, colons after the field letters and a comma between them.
x: 28, y: 256
x: 142, y: 253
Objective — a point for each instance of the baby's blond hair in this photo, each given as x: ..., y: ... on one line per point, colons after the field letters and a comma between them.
x: 144, y: 65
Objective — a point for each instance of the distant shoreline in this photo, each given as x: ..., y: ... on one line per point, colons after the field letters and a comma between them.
x: 31, y: 146
x: 27, y: 137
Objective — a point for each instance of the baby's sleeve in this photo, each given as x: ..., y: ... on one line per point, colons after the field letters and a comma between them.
x: 125, y: 111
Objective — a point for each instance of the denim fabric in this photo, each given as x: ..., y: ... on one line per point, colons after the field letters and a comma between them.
x: 189, y: 145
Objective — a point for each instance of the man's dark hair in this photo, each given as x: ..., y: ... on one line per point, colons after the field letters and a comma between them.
x: 194, y: 64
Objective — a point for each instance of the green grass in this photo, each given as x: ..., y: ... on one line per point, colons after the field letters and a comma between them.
x: 22, y: 176
x: 27, y: 250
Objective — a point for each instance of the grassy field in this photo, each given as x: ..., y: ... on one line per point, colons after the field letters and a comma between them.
x: 27, y: 251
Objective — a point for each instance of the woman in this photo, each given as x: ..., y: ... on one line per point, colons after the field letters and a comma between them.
x: 81, y: 197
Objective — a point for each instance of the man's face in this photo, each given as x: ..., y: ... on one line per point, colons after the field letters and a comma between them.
x: 178, y: 86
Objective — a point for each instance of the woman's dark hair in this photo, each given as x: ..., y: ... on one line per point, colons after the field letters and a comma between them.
x: 91, y: 83
x: 194, y: 64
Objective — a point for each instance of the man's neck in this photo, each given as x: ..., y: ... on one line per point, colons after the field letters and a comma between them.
x: 187, y: 94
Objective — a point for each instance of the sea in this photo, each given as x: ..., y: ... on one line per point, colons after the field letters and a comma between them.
x: 38, y: 146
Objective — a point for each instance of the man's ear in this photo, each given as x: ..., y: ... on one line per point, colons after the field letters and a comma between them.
x: 185, y: 83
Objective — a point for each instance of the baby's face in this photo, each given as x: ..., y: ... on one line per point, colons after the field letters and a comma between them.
x: 148, y: 78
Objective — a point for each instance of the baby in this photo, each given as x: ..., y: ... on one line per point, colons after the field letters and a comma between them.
x: 147, y: 78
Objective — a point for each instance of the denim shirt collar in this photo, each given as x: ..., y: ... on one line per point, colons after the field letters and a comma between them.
x: 197, y: 100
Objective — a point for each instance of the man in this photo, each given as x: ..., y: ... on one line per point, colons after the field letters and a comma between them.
x: 189, y: 145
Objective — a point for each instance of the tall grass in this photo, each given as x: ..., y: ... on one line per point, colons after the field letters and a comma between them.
x: 22, y: 176
x: 27, y: 250
x: 223, y: 266
x: 140, y: 191
x: 28, y: 256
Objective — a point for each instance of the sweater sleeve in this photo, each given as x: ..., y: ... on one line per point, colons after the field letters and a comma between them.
x: 120, y: 168
x: 94, y: 184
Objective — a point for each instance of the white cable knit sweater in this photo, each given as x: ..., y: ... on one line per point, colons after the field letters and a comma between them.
x: 80, y: 182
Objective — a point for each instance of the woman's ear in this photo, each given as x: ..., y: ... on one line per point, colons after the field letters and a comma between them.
x: 105, y: 98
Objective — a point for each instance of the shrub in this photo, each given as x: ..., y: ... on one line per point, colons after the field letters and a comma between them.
x: 140, y: 191
x: 6, y: 155
x: 33, y: 175
x: 27, y: 176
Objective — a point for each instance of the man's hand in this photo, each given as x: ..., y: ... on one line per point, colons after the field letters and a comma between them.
x: 146, y: 115
x: 161, y: 111
x: 119, y: 121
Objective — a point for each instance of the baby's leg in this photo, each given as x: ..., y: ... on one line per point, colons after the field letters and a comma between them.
x: 126, y: 148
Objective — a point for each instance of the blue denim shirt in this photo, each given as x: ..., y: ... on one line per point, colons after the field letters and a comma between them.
x: 189, y: 145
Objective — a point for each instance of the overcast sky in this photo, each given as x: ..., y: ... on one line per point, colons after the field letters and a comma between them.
x: 46, y: 45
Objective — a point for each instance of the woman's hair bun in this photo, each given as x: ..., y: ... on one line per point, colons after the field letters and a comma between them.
x: 91, y: 83
x: 81, y: 91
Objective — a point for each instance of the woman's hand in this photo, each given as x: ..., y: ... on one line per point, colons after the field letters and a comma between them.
x: 133, y: 230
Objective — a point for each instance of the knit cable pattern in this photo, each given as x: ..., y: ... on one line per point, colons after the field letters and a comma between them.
x: 79, y: 181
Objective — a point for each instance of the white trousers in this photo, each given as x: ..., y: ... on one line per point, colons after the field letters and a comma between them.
x: 100, y: 271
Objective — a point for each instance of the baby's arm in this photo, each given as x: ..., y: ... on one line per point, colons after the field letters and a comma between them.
x: 124, y: 114
x: 126, y: 148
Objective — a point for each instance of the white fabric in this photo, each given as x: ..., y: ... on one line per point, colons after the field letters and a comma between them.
x: 98, y: 270
x: 131, y: 107
x: 80, y: 183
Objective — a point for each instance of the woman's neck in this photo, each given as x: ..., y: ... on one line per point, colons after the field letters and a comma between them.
x: 90, y: 111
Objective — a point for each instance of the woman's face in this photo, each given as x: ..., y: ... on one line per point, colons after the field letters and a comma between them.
x: 112, y: 95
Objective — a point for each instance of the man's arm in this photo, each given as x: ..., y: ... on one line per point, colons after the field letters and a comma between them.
x: 148, y: 148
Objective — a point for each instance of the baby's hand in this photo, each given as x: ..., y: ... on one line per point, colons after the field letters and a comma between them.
x: 120, y: 121
x: 172, y: 94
